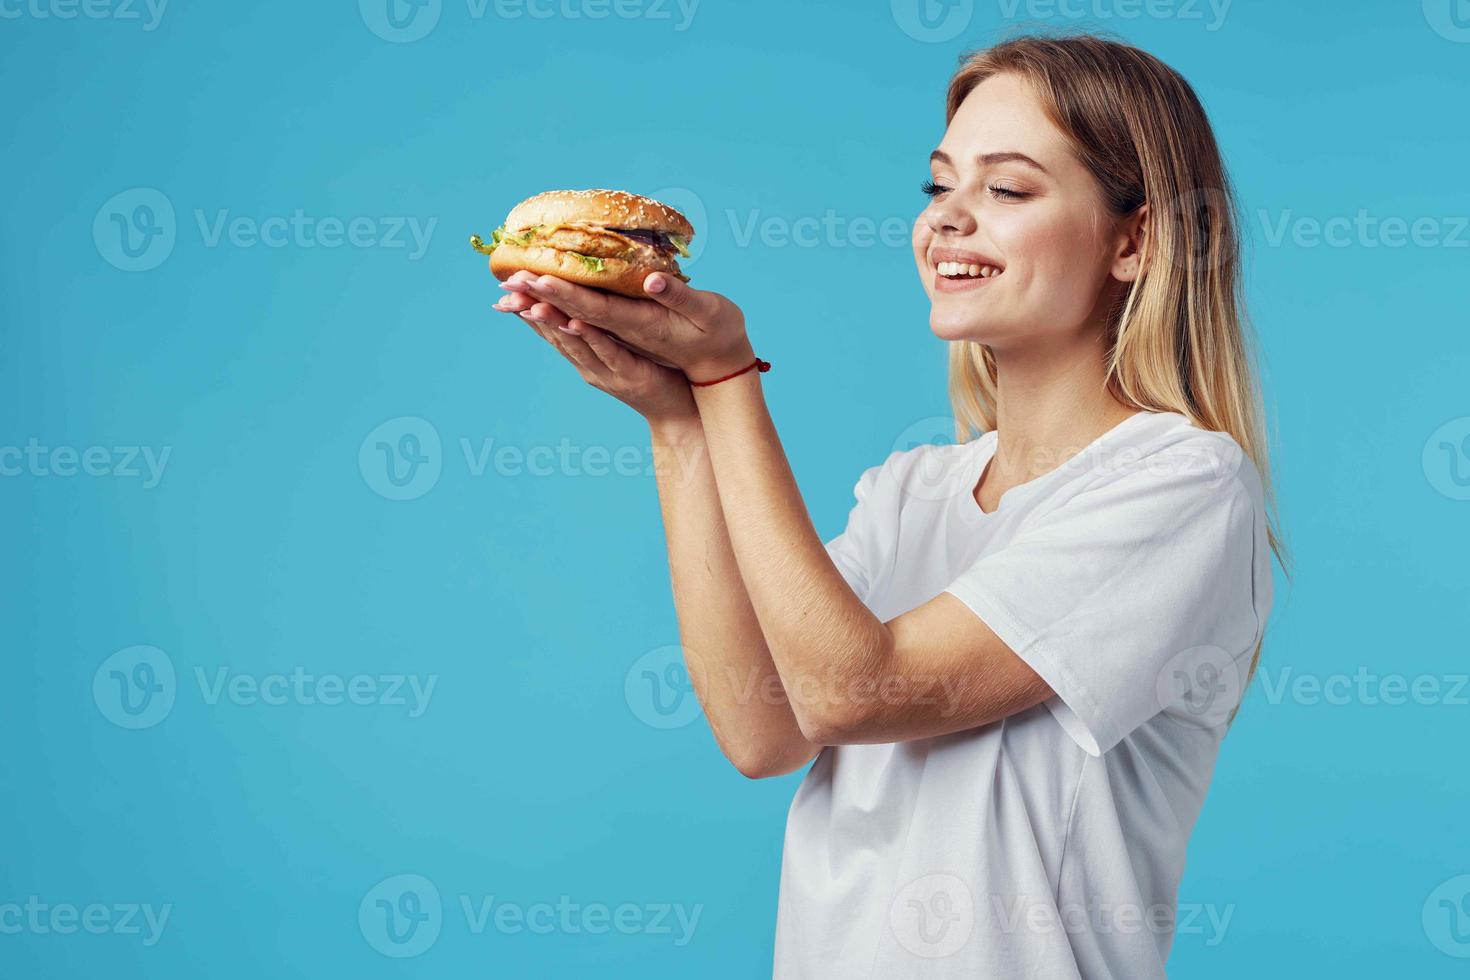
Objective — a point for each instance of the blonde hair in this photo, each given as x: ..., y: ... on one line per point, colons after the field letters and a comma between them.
x: 1178, y: 340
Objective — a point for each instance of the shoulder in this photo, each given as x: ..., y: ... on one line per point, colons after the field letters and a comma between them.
x: 1167, y: 449
x: 926, y: 471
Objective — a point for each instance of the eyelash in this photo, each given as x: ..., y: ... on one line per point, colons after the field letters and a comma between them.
x: 933, y: 190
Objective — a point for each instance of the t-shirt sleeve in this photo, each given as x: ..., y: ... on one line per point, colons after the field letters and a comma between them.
x: 1147, y: 575
x: 858, y: 550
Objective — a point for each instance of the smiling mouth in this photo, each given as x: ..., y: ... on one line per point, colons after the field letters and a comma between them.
x: 958, y: 277
x: 966, y: 270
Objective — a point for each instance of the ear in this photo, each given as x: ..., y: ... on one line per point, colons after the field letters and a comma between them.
x: 1130, y: 245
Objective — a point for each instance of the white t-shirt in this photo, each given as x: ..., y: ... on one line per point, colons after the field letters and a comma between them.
x: 1135, y: 578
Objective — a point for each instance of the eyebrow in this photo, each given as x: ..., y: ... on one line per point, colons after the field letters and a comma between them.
x: 1005, y: 156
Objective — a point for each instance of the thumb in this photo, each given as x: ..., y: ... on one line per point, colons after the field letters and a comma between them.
x: 675, y: 294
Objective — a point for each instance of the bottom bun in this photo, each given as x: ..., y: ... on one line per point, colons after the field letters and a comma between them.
x: 617, y: 276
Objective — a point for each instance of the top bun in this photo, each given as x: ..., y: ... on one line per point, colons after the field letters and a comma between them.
x: 610, y: 209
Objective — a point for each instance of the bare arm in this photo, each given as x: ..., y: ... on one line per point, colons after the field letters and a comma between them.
x: 725, y: 652
x: 934, y: 670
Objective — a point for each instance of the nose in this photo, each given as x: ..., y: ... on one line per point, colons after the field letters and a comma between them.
x: 947, y: 217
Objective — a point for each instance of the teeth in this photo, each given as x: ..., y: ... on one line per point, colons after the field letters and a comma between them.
x: 953, y: 269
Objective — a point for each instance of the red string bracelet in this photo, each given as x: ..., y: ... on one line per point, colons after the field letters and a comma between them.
x: 757, y: 364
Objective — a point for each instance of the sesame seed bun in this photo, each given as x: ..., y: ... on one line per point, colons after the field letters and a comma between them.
x: 580, y: 236
x: 610, y: 209
x: 617, y: 276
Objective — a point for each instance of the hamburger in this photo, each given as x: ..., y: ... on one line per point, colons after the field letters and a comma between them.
x: 605, y: 239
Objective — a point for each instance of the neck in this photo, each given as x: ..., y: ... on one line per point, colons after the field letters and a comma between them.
x: 1050, y: 404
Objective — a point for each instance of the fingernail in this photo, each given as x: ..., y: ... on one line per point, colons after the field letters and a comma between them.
x: 657, y: 286
x: 515, y: 287
x: 568, y: 328
x: 528, y: 315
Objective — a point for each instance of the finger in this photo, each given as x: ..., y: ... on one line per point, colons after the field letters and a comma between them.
x: 674, y: 294
x: 516, y: 281
x: 615, y: 356
x: 514, y: 303
x: 617, y: 314
x: 555, y: 338
x: 575, y: 349
x: 574, y: 346
x: 545, y: 313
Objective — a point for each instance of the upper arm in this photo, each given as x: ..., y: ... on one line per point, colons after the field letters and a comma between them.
x: 1144, y: 595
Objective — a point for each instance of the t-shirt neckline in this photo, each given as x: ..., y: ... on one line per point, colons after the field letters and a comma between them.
x: 985, y: 452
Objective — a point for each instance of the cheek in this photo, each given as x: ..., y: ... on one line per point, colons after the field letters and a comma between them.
x: 1055, y: 254
x: 923, y: 237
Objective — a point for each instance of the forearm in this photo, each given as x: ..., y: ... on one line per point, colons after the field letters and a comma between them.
x: 726, y: 653
x: 751, y: 526
x: 816, y: 626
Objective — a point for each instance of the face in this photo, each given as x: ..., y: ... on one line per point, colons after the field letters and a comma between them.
x: 1017, y: 246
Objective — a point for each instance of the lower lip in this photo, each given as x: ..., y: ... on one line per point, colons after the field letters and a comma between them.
x: 945, y: 285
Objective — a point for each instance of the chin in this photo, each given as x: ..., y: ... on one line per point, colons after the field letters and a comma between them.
x: 952, y: 328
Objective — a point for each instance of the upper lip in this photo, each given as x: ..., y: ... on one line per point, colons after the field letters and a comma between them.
x: 939, y: 255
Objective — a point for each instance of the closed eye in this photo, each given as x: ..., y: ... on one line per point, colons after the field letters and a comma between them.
x: 1007, y: 193
x: 1000, y: 191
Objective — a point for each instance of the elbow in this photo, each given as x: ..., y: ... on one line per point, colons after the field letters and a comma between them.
x: 826, y: 725
x: 755, y: 768
x: 849, y: 712
x: 770, y: 762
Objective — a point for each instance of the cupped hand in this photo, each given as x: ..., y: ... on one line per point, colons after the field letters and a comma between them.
x: 656, y: 391
x: 700, y: 332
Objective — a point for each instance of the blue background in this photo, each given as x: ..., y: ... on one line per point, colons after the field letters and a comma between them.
x: 269, y: 545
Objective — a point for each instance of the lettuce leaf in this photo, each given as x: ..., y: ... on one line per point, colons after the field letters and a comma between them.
x: 500, y: 236
x: 681, y: 244
x: 592, y: 262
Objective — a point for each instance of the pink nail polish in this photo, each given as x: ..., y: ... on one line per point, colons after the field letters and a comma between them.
x: 515, y: 287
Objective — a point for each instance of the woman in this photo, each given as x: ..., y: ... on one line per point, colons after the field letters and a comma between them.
x: 1015, y: 666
